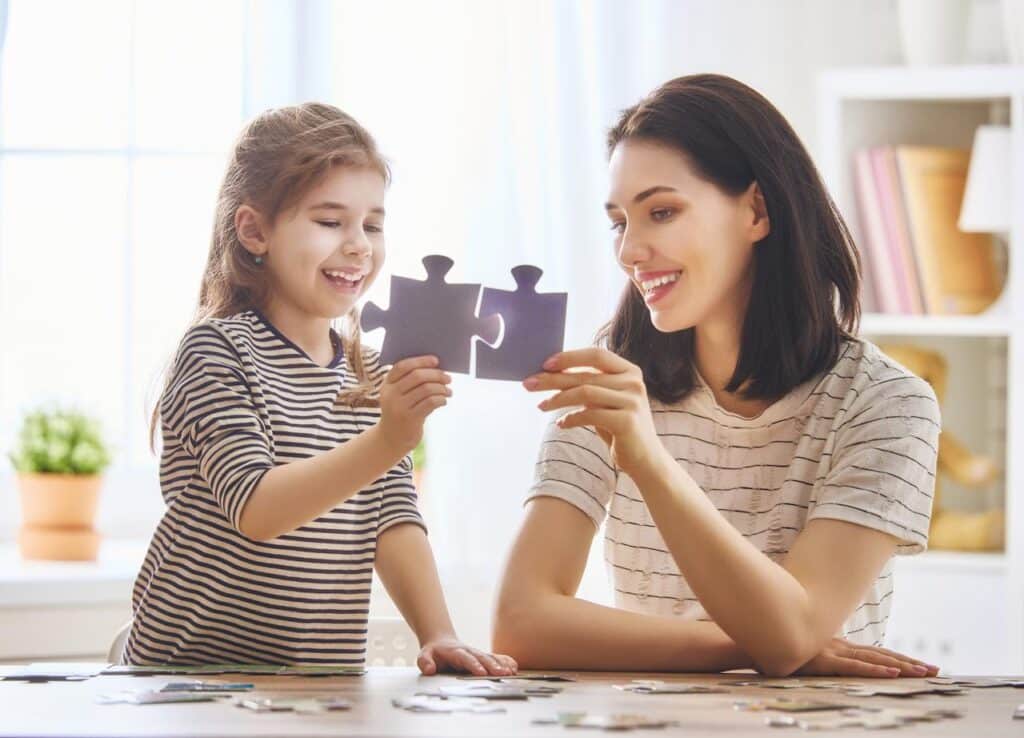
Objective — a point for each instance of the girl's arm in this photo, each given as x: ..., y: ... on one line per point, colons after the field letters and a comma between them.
x: 291, y: 495
x: 541, y: 622
x: 781, y: 615
x: 405, y: 564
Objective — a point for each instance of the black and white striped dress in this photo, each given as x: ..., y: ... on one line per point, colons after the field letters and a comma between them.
x: 857, y: 444
x: 241, y: 400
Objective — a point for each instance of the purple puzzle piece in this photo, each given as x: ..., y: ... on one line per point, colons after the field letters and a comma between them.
x: 431, y: 317
x: 534, y: 327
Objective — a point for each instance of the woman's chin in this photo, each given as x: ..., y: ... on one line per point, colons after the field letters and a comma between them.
x: 670, y: 323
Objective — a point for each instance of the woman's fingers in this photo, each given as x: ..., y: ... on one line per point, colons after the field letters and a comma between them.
x: 842, y: 666
x: 547, y: 381
x: 490, y: 663
x: 597, y: 358
x: 872, y: 656
x: 607, y: 420
x: 589, y: 396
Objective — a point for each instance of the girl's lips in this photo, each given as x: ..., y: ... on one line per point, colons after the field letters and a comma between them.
x: 344, y: 286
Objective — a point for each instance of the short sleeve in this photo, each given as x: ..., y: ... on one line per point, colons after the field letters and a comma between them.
x: 399, y: 502
x: 209, y: 408
x: 882, y: 474
x: 574, y: 465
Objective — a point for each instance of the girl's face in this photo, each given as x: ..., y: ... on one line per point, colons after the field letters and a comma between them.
x: 686, y: 245
x: 324, y: 253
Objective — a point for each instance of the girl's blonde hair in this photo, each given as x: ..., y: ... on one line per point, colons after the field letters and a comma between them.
x: 278, y: 157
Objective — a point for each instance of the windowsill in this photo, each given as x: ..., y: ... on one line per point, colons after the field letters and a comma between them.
x: 67, y: 583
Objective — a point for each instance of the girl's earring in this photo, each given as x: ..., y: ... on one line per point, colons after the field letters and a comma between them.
x: 257, y: 259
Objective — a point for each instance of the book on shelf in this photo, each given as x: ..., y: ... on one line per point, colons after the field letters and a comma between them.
x: 916, y: 260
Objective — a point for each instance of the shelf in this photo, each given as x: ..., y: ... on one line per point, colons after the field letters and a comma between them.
x: 881, y: 324
x: 983, y: 82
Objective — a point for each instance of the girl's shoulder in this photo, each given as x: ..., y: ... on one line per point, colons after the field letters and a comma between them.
x: 232, y: 335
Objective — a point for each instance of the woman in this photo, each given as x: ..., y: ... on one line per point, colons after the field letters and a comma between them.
x: 759, y: 466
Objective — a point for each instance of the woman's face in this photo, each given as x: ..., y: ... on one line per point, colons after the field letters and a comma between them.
x: 686, y: 245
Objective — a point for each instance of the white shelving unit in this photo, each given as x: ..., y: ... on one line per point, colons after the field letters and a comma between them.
x: 964, y: 611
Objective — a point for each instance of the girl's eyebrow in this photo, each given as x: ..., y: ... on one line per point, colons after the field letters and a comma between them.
x: 328, y: 205
x: 641, y: 196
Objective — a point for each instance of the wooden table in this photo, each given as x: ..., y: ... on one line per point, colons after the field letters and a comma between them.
x: 70, y: 709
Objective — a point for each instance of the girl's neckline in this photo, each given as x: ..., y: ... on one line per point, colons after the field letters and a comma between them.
x: 785, y: 407
x: 336, y: 342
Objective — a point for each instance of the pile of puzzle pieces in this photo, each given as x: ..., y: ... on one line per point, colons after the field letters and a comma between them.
x: 517, y: 329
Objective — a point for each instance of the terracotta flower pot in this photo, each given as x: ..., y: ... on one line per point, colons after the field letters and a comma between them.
x: 58, y: 544
x: 59, y: 500
x: 58, y: 511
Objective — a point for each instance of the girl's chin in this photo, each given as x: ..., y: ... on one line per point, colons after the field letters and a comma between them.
x: 669, y: 322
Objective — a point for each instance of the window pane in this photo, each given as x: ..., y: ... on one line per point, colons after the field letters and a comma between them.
x: 62, y: 236
x: 188, y: 85
x: 66, y: 74
x: 170, y: 240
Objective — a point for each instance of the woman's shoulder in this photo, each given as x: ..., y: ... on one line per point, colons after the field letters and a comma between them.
x: 865, y: 377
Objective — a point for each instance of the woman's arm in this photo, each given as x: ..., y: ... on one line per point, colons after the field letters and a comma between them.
x: 291, y: 495
x: 405, y: 564
x: 786, y: 613
x: 540, y: 622
x: 781, y: 615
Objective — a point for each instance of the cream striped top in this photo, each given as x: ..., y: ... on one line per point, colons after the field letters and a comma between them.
x: 858, y: 444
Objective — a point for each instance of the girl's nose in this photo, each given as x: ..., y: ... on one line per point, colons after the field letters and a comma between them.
x: 357, y: 244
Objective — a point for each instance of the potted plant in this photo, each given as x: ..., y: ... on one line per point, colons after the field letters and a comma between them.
x: 419, y: 465
x: 59, y: 457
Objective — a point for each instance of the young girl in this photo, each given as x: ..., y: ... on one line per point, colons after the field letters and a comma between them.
x: 758, y: 464
x: 285, y: 464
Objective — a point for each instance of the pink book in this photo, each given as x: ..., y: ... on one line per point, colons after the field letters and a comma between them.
x: 873, y: 243
x: 886, y: 188
x: 901, y: 229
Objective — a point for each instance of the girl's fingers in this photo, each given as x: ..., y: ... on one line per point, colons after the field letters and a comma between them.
x: 508, y: 662
x: 427, y: 405
x: 588, y: 396
x: 403, y: 367
x: 426, y: 664
x: 469, y: 662
x: 490, y: 663
x: 597, y: 358
x: 424, y: 391
x: 416, y: 377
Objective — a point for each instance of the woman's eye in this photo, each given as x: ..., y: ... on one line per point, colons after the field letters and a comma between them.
x: 373, y: 228
x: 329, y: 223
x: 619, y: 226
x: 662, y: 213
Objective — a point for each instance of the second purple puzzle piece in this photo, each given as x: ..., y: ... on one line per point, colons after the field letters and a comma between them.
x: 534, y: 327
x: 431, y: 317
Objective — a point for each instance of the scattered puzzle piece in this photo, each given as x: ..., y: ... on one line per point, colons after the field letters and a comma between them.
x: 287, y: 703
x: 493, y: 691
x: 154, y: 697
x: 517, y: 678
x: 214, y: 687
x: 785, y: 704
x: 609, y: 721
x: 431, y: 318
x: 861, y: 717
x: 534, y: 327
x: 911, y: 689
x: 1015, y: 682
x: 652, y: 686
x: 428, y: 703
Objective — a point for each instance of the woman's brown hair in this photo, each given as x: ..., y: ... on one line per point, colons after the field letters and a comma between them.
x: 278, y: 157
x: 804, y: 300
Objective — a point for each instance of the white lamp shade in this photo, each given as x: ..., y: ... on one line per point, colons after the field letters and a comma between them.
x: 986, y: 205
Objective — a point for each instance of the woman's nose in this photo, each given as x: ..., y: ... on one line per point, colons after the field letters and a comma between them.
x: 632, y: 249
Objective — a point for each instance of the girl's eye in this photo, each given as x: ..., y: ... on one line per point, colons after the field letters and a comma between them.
x: 661, y: 214
x: 619, y: 226
x: 373, y: 228
x: 329, y: 223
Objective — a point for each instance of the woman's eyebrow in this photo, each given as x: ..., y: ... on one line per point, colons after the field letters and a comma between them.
x: 641, y: 196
